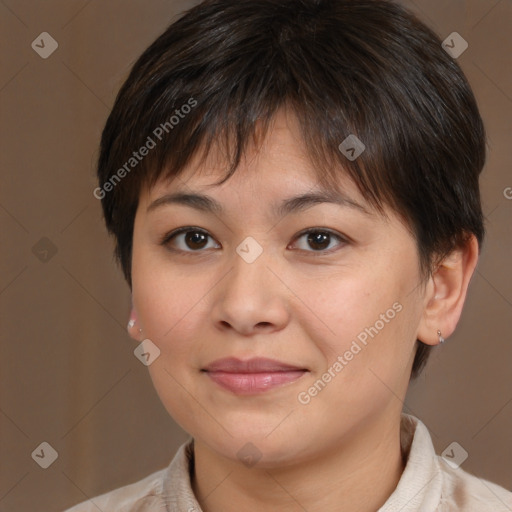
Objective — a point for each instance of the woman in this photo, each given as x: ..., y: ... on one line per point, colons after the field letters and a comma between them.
x: 293, y: 191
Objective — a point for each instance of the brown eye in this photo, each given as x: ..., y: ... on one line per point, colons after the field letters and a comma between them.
x: 319, y: 240
x: 187, y: 240
x: 195, y: 239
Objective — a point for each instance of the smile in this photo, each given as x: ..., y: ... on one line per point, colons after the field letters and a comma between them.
x: 253, y: 376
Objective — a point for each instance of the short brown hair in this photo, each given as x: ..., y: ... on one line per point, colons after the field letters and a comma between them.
x: 363, y: 67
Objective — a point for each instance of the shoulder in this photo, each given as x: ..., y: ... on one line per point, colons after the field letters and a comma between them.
x: 465, y: 492
x: 162, y: 491
x: 431, y: 483
x: 140, y: 496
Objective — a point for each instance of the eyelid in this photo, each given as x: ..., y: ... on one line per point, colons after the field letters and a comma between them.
x: 168, y: 236
x: 330, y: 231
x: 177, y: 231
x: 343, y: 238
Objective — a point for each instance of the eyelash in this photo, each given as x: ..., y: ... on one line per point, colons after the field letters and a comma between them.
x: 173, y: 234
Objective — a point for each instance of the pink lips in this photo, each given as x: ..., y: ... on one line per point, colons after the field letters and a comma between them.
x: 252, y: 376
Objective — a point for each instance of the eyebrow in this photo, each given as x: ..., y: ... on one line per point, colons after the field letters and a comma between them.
x: 291, y: 205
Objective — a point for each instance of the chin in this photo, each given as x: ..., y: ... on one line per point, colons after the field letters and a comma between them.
x: 256, y: 448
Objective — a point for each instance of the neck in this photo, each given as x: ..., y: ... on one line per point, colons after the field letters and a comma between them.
x: 356, y: 476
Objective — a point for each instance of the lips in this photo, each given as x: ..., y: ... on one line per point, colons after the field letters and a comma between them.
x: 252, y: 376
x: 254, y: 365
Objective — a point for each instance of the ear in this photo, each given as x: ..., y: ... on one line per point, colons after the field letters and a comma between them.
x: 446, y: 292
x: 133, y: 326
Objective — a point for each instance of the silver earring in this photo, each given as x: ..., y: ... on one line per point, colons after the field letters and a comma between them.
x: 131, y: 323
x: 441, y: 339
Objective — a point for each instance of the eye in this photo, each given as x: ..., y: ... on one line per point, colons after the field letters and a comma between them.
x: 187, y: 239
x: 190, y: 239
x: 320, y: 239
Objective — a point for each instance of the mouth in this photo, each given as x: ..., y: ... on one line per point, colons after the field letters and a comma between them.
x: 252, y: 376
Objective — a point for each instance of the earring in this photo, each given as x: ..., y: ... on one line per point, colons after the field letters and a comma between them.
x: 441, y: 339
x: 131, y: 323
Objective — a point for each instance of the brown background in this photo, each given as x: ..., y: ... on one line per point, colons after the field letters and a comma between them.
x: 68, y: 373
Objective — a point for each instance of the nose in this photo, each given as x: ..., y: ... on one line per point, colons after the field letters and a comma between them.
x: 251, y: 298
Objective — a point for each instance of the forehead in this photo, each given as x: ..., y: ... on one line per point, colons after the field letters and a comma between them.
x: 275, y: 163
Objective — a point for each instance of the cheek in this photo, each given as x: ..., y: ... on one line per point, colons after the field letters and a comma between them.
x: 169, y: 307
x: 165, y: 295
x: 345, y: 305
x: 366, y: 332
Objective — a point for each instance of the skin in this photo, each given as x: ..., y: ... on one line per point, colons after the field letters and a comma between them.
x: 295, y: 304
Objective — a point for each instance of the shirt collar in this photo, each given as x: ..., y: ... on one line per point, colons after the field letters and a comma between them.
x: 419, y: 487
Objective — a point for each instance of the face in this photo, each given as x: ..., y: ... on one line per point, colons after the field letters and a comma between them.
x: 329, y: 292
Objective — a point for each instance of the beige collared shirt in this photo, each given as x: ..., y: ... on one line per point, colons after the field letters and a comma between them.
x: 427, y: 484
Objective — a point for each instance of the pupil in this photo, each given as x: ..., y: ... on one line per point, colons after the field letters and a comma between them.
x: 194, y: 237
x: 319, y: 238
